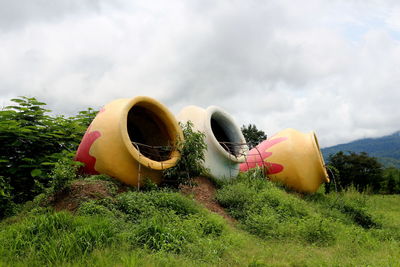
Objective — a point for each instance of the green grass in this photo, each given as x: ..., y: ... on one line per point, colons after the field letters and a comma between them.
x: 164, y: 228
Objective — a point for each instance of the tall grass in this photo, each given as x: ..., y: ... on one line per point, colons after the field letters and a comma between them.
x: 158, y: 221
x: 269, y: 212
x: 164, y: 228
x: 55, y: 237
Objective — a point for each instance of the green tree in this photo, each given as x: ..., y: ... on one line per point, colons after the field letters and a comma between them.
x: 359, y: 170
x: 252, y: 135
x: 32, y: 142
x: 391, y: 181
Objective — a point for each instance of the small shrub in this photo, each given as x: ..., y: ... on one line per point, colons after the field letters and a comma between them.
x: 191, y: 163
x: 65, y: 170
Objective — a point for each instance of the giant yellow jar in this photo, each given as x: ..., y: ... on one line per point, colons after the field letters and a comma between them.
x: 131, y: 140
x: 292, y: 158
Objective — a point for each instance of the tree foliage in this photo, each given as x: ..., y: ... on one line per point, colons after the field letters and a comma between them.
x: 32, y: 141
x: 391, y: 181
x: 252, y: 135
x: 359, y: 170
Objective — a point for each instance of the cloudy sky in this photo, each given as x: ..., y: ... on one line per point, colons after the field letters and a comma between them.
x: 332, y: 66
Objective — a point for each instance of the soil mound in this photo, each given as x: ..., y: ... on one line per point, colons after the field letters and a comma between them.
x: 79, y: 191
x: 203, y: 191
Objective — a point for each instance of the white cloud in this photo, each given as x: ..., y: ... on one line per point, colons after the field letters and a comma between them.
x: 329, y: 66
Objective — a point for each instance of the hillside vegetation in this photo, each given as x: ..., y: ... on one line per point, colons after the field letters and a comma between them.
x: 163, y: 227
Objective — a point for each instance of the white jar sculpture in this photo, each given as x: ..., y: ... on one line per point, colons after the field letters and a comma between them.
x: 226, y: 145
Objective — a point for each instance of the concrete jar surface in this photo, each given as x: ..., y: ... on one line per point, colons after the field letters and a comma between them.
x: 130, y: 140
x: 291, y: 157
x: 226, y: 147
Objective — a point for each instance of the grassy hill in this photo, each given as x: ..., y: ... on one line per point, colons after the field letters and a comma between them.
x: 98, y: 222
x: 386, y: 148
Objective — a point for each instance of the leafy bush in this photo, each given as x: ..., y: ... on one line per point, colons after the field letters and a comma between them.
x: 64, y: 171
x: 192, y: 150
x: 32, y: 142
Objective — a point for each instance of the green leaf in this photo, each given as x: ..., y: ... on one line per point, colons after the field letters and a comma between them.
x: 47, y: 163
x: 36, y: 172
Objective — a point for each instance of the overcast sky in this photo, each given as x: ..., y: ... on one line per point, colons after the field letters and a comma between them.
x: 325, y: 65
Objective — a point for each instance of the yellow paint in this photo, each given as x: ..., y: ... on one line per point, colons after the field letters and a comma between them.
x: 114, y: 152
x: 304, y: 167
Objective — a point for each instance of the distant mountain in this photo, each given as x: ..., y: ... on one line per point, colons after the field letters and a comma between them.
x: 386, y: 148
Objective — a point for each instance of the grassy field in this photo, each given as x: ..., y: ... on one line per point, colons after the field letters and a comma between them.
x: 164, y: 228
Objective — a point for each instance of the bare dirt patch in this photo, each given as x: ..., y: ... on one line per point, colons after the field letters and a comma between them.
x: 203, y: 191
x: 78, y: 192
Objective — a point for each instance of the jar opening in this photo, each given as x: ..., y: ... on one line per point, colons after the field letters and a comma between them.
x: 149, y: 133
x: 227, y: 134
